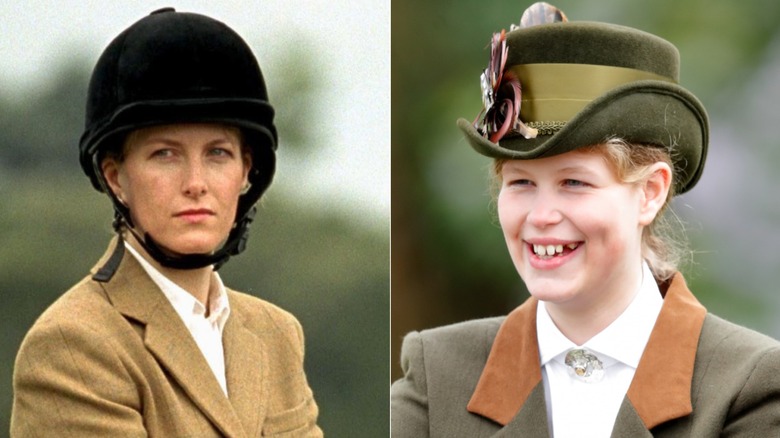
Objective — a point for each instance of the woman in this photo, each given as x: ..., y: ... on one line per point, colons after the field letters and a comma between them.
x: 592, y: 136
x: 180, y: 135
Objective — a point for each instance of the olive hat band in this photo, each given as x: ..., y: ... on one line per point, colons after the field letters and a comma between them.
x: 552, y: 94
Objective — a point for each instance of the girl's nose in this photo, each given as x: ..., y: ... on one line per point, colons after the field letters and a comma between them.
x: 544, y: 212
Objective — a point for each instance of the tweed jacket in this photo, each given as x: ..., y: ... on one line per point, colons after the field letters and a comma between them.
x: 114, y: 359
x: 699, y: 376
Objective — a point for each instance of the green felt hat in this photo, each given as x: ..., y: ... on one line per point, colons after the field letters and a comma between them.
x: 581, y: 83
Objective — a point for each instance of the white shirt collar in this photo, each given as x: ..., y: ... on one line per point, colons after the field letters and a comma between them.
x: 185, y: 304
x: 623, y: 340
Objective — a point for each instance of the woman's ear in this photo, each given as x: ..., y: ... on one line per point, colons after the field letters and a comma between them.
x: 247, y: 157
x: 654, y: 191
x: 110, y: 168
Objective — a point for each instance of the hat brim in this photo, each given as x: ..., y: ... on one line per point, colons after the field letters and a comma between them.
x: 645, y: 112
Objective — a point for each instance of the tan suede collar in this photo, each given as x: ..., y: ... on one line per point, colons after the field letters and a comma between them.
x: 659, y: 392
x: 512, y: 369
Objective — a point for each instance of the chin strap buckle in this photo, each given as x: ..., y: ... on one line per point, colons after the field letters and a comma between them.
x: 107, y: 271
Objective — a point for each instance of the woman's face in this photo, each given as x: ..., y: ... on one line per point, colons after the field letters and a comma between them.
x: 573, y: 230
x: 181, y: 183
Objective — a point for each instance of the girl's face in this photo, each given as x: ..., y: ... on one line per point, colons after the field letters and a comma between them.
x: 181, y: 183
x: 573, y: 230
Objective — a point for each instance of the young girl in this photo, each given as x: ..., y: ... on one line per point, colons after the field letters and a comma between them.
x: 592, y: 136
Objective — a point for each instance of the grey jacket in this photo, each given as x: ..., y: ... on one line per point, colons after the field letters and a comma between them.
x: 700, y: 376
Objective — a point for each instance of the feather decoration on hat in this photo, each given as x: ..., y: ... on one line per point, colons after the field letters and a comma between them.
x: 502, y: 91
x: 501, y: 96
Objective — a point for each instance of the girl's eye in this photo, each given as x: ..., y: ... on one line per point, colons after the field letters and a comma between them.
x: 520, y: 182
x: 574, y: 183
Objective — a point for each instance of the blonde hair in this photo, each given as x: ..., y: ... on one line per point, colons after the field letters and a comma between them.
x: 664, y: 244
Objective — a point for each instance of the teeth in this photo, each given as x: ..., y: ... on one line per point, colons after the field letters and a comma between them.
x: 551, y: 250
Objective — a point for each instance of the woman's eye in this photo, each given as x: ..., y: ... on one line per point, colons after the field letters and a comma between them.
x: 220, y: 152
x: 162, y: 153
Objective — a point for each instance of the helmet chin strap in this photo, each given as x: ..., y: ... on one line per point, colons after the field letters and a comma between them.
x: 235, y: 244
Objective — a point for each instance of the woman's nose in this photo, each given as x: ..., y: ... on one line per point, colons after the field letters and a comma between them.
x: 194, y: 180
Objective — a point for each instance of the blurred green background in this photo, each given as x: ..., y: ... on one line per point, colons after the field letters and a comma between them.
x: 320, y: 244
x: 449, y: 260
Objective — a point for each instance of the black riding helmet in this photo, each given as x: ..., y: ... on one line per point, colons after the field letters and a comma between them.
x: 172, y: 67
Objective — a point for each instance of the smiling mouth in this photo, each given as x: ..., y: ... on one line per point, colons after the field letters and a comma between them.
x: 545, y: 252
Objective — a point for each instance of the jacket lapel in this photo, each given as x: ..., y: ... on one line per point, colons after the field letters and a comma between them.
x: 629, y: 424
x: 512, y: 378
x: 661, y: 388
x: 135, y: 295
x: 245, y: 369
x: 531, y: 421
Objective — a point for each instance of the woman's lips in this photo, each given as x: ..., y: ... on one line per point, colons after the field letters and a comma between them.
x: 195, y: 215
